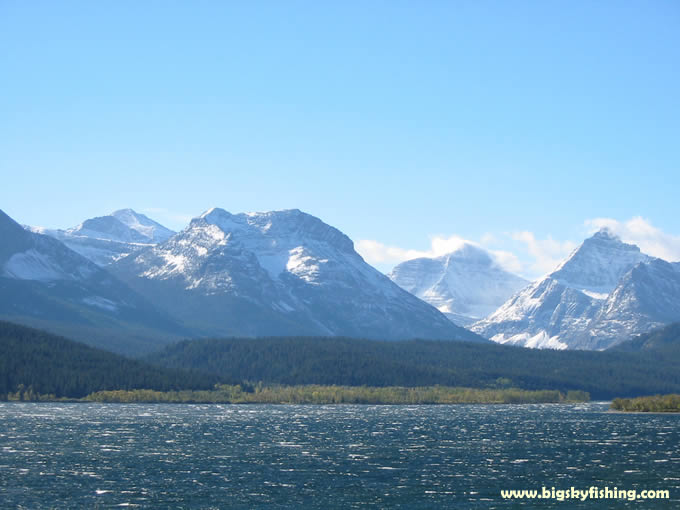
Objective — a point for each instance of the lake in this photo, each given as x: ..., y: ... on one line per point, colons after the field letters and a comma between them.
x: 343, y: 456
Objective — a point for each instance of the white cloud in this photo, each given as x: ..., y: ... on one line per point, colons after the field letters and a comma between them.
x: 528, y: 255
x: 547, y: 253
x: 488, y: 238
x: 443, y: 245
x: 641, y: 232
x: 377, y: 253
x: 507, y: 260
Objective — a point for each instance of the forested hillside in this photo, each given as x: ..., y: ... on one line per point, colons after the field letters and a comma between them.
x: 343, y: 361
x: 34, y: 362
x: 661, y: 342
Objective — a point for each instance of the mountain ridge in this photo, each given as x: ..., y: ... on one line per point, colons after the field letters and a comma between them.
x: 603, y: 293
x: 277, y: 272
x: 45, y: 283
x: 104, y: 239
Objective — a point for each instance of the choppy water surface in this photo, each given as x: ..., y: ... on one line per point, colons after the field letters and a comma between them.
x: 238, y: 456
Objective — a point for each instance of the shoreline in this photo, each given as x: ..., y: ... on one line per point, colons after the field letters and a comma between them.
x: 304, y: 403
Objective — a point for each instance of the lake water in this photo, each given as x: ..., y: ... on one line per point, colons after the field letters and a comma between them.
x: 255, y: 456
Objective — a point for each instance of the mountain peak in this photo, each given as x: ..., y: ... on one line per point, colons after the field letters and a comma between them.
x: 125, y: 212
x: 289, y: 226
x: 277, y: 272
x: 596, y: 266
x: 605, y: 234
x: 465, y: 284
x: 569, y: 307
x: 153, y: 231
x: 108, y: 228
x: 107, y: 238
x: 214, y: 212
x: 470, y: 252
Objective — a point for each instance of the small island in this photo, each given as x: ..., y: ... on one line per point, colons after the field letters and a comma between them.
x: 652, y: 404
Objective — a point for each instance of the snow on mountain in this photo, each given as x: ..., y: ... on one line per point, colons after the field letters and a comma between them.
x: 545, y: 314
x: 28, y: 256
x: 647, y: 297
x: 598, y: 264
x: 107, y: 238
x: 465, y: 285
x: 44, y: 283
x: 594, y: 299
x: 151, y: 230
x: 277, y: 273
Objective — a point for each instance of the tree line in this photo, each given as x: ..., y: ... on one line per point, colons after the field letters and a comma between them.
x: 317, y: 394
x: 651, y: 404
x: 35, y: 363
x: 351, y: 362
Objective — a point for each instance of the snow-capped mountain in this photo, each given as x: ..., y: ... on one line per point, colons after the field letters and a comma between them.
x: 605, y: 292
x: 152, y: 231
x: 545, y: 314
x: 44, y: 283
x: 465, y: 285
x: 277, y: 273
x: 107, y: 238
x: 32, y: 257
x: 597, y: 266
x: 647, y: 297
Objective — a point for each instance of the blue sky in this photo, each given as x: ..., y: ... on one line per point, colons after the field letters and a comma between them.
x: 398, y: 122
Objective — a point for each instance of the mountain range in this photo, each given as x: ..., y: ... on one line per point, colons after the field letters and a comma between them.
x: 276, y: 273
x: 107, y: 238
x: 44, y: 283
x: 126, y: 283
x: 604, y: 293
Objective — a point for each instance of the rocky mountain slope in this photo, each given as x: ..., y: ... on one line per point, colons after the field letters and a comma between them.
x: 604, y: 293
x: 276, y: 273
x: 465, y: 285
x: 107, y: 238
x: 664, y: 342
x: 44, y: 283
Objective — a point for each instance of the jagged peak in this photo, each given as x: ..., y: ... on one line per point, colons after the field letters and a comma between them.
x: 606, y: 237
x: 280, y: 213
x: 598, y: 263
x: 605, y: 233
x: 216, y: 216
x: 286, y: 224
x: 141, y: 222
x: 602, y: 239
x: 214, y: 212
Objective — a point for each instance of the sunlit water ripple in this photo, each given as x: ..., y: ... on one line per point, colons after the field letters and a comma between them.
x: 346, y: 456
